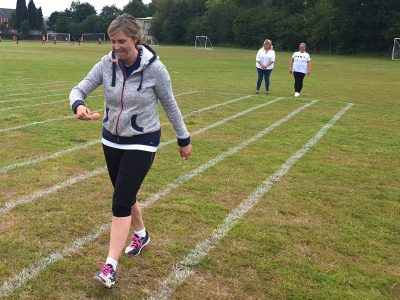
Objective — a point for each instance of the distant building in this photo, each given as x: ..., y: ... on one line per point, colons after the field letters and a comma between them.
x: 5, y: 17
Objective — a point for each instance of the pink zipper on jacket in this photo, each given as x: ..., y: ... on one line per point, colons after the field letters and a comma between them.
x: 122, y: 108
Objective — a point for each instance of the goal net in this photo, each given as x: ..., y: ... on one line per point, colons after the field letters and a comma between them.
x: 396, y: 49
x: 203, y: 42
x: 93, y: 37
x: 149, y: 40
x: 59, y: 37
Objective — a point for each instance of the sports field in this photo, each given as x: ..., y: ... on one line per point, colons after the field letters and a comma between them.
x: 282, y: 198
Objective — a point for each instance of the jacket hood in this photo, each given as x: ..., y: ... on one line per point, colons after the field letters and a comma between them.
x: 148, y: 56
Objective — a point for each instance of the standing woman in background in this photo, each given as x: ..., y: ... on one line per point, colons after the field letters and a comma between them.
x: 265, y: 59
x: 300, y: 66
x: 134, y: 80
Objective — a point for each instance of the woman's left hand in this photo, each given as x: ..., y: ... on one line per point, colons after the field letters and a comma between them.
x: 185, y: 151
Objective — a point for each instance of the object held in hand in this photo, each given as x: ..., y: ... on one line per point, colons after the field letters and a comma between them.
x: 95, y: 116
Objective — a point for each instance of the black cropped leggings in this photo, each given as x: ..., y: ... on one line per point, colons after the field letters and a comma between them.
x: 127, y: 170
x: 298, y: 81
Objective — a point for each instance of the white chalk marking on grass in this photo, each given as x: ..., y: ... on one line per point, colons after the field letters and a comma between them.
x: 14, y: 166
x: 42, y: 122
x: 223, y: 156
x: 41, y: 193
x: 32, y: 271
x: 33, y: 105
x: 12, y: 204
x: 38, y: 91
x: 35, y: 123
x: 195, y: 112
x: 11, y: 167
x: 183, y: 269
x: 37, y: 97
x: 28, y: 273
x: 187, y: 93
x: 62, y: 118
x: 31, y: 98
x: 216, y: 105
x: 40, y: 104
x: 46, y: 83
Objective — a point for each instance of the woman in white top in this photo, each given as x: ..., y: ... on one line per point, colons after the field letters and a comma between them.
x: 300, y: 66
x: 265, y: 63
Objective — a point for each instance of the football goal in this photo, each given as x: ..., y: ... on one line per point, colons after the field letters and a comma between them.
x: 93, y: 37
x: 58, y: 37
x: 396, y: 49
x: 149, y: 40
x: 203, y: 42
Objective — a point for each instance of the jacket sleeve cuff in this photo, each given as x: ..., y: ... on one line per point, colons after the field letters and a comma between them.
x: 184, y: 142
x: 76, y: 104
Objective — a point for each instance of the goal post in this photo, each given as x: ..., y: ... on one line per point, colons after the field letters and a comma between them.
x: 203, y: 42
x: 396, y: 49
x: 93, y: 37
x: 58, y: 37
x: 149, y: 40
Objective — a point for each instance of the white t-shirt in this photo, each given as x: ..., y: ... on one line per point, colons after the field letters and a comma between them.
x: 265, y: 58
x: 300, y: 61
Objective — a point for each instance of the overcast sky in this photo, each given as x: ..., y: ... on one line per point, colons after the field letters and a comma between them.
x: 49, y: 6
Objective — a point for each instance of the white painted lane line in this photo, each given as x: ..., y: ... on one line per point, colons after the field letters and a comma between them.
x: 28, y: 273
x: 36, y: 123
x: 222, y: 156
x: 33, y: 270
x: 62, y: 118
x: 65, y: 88
x: 28, y: 162
x: 42, y: 193
x: 184, y: 268
x: 10, y: 167
x: 31, y: 98
x: 40, y: 83
x: 39, y: 194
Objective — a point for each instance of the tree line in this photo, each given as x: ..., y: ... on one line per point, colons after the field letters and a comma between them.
x: 26, y: 18
x: 79, y: 18
x: 343, y: 26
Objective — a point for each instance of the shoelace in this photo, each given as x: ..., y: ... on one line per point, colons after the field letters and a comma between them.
x: 106, y: 268
x: 136, y: 242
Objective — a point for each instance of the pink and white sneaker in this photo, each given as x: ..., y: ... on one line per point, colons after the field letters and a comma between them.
x: 106, y: 276
x: 137, y: 245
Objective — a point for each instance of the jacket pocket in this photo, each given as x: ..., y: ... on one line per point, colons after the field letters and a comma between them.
x: 106, y: 116
x: 135, y: 125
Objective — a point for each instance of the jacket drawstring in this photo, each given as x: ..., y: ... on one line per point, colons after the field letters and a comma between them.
x: 141, y: 79
x: 114, y: 68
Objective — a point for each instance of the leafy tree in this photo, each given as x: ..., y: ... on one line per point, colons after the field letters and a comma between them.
x: 136, y: 8
x: 21, y: 13
x: 80, y: 11
x: 24, y: 27
x: 320, y: 21
x: 52, y: 20
x: 32, y: 14
x: 62, y: 23
x: 109, y: 13
x: 94, y: 23
x: 39, y: 19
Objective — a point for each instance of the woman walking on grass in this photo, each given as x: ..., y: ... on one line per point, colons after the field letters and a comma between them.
x: 300, y: 66
x: 265, y: 60
x: 134, y: 79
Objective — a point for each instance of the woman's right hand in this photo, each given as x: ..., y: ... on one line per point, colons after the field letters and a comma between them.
x: 83, y: 113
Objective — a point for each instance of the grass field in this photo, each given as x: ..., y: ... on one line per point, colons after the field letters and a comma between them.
x: 282, y: 198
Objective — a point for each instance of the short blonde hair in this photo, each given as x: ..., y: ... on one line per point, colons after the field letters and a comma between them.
x: 128, y: 25
x: 268, y: 42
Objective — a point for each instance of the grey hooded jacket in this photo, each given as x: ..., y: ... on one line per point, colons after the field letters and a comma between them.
x: 130, y: 106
